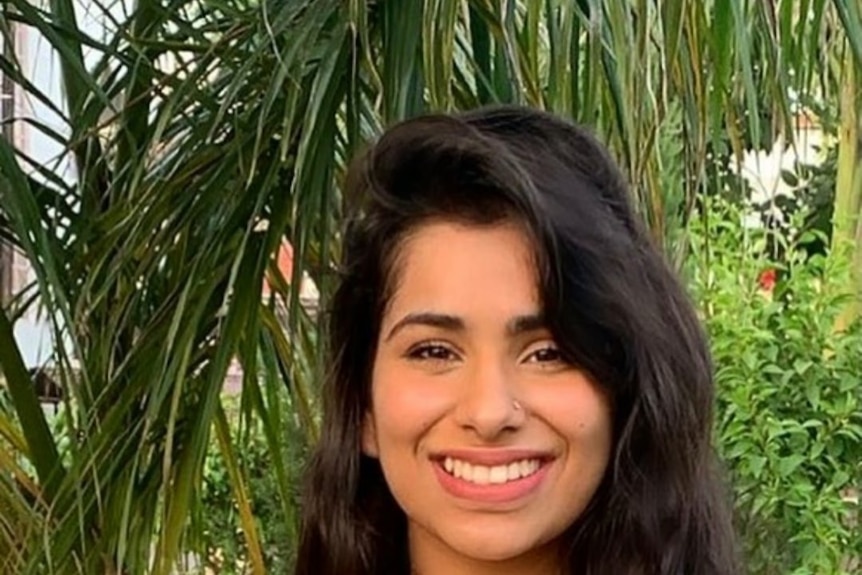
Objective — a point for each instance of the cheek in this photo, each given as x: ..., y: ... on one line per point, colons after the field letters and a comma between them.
x: 405, y: 408
x: 582, y: 415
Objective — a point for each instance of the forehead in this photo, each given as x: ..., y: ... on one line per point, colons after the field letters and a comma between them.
x: 457, y: 267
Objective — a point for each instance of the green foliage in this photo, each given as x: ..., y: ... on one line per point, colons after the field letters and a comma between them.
x: 221, y: 541
x: 789, y: 420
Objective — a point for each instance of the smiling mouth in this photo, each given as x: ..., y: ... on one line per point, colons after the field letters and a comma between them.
x: 490, y: 475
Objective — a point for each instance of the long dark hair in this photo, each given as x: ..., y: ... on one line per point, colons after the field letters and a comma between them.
x: 612, y: 303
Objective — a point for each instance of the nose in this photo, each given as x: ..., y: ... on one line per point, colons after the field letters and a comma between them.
x: 488, y: 405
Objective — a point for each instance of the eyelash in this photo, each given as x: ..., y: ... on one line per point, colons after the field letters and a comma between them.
x: 553, y: 349
x: 422, y: 352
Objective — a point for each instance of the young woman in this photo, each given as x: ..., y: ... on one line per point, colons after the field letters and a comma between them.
x: 518, y: 382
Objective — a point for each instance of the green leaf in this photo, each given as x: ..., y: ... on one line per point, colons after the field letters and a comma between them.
x: 42, y: 449
x: 848, y: 11
x: 789, y: 465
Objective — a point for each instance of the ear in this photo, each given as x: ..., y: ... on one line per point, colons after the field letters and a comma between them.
x: 369, y: 435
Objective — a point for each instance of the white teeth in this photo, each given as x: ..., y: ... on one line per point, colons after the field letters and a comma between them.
x: 514, y: 471
x: 480, y: 475
x: 497, y: 475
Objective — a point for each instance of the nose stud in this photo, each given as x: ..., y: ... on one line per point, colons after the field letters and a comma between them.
x: 516, y: 404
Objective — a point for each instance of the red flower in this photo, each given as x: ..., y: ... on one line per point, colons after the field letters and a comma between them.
x: 767, y: 279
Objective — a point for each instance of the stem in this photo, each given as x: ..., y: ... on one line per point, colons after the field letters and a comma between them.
x: 846, y: 241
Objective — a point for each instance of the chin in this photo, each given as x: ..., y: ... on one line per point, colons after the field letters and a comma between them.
x: 496, y: 545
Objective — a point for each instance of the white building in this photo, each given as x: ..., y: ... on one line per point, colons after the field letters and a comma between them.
x: 39, y: 64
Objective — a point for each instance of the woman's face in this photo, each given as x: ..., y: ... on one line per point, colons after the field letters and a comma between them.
x: 491, y: 444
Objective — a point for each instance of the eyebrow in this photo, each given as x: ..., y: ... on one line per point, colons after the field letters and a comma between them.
x: 526, y: 323
x: 516, y: 326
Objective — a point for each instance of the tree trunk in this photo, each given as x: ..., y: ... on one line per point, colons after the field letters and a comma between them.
x: 847, y: 231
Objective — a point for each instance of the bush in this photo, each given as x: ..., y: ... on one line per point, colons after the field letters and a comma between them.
x: 222, y: 542
x: 789, y: 422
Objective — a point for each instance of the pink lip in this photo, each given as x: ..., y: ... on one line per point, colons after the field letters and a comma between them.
x: 493, y: 493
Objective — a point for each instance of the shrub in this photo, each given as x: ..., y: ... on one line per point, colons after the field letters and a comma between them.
x: 789, y: 422
x: 222, y: 543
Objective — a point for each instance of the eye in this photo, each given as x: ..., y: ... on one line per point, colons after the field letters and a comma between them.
x: 431, y: 351
x: 545, y: 354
